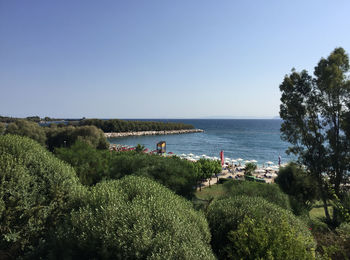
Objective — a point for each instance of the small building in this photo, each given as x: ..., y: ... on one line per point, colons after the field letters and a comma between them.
x: 161, y: 147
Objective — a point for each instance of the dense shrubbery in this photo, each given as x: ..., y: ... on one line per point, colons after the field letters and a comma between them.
x: 116, y: 125
x: 27, y: 128
x: 135, y: 218
x: 270, y: 192
x: 94, y: 165
x: 252, y: 228
x: 34, y: 190
x: 68, y: 135
x: 46, y: 213
x: 299, y: 185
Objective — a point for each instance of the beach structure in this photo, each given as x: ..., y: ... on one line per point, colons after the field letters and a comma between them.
x: 161, y: 147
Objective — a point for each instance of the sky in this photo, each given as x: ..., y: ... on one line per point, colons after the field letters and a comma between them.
x: 160, y: 59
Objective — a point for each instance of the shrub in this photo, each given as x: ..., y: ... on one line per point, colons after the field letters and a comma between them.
x: 295, y: 181
x: 270, y: 192
x: 90, y: 164
x: 66, y: 136
x: 34, y: 190
x: 252, y: 228
x: 174, y: 173
x: 27, y: 128
x: 135, y: 218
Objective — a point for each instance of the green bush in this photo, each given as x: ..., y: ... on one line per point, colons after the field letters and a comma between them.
x: 90, y: 164
x: 252, y: 228
x: 135, y: 218
x: 66, y: 136
x: 35, y: 188
x: 295, y: 182
x: 174, y: 173
x: 27, y: 128
x: 270, y: 192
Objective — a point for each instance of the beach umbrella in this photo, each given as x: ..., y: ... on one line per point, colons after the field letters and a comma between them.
x: 246, y: 161
x: 215, y: 158
x: 234, y: 161
x: 269, y: 169
x: 260, y: 171
x: 196, y: 157
x: 204, y: 155
x: 191, y: 154
x: 183, y: 155
x: 254, y: 161
x: 269, y: 162
x: 239, y: 159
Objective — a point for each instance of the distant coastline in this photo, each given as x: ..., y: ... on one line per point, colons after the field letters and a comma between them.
x: 142, y: 133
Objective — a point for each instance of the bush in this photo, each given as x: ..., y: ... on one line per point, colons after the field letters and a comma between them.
x: 27, y: 128
x: 135, y: 218
x: 295, y: 181
x: 90, y: 164
x: 174, y: 173
x: 66, y: 136
x: 34, y: 190
x: 270, y: 192
x: 251, y: 228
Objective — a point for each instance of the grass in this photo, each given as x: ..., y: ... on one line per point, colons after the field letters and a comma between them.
x: 317, y: 212
x: 207, y: 193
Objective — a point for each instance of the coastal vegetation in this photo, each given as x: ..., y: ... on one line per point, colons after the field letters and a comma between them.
x: 315, y: 112
x: 64, y: 195
x: 117, y: 125
x: 252, y: 228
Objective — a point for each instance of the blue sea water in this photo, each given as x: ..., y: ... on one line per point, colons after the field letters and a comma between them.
x: 249, y: 139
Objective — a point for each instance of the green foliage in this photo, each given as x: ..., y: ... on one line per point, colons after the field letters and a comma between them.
x: 93, y: 165
x: 315, y: 113
x: 2, y: 128
x: 208, y: 167
x: 249, y: 169
x: 27, y: 128
x: 270, y: 192
x: 174, y: 173
x: 90, y: 164
x: 252, y: 228
x: 34, y: 190
x: 302, y: 188
x: 67, y: 135
x: 135, y: 218
x: 116, y: 125
x: 139, y: 148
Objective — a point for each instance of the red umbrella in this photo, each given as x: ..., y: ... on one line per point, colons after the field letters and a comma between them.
x: 222, y: 157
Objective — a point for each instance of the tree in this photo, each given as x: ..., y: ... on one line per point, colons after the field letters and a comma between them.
x: 295, y: 182
x: 27, y: 128
x: 314, y: 112
x: 252, y: 228
x: 139, y: 148
x: 35, y: 188
x: 2, y: 128
x: 207, y: 168
x: 249, y: 169
x: 134, y: 218
x: 90, y: 164
x: 270, y: 192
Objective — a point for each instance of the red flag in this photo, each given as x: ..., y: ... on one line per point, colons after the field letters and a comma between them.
x: 222, y: 157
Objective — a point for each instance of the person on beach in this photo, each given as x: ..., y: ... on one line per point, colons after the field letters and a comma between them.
x: 279, y: 160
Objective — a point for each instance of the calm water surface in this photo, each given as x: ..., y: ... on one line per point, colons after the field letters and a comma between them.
x: 257, y: 139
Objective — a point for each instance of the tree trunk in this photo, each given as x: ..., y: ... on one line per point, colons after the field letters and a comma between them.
x: 326, y: 212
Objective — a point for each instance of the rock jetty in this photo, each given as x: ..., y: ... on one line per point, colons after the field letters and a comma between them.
x: 139, y: 133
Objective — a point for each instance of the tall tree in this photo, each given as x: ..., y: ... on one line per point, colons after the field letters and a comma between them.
x: 314, y: 110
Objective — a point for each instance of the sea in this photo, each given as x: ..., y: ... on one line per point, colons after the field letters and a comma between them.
x: 249, y: 139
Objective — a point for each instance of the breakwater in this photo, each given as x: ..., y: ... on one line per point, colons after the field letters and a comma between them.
x: 141, y: 133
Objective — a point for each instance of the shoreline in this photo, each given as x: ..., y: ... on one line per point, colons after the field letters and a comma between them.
x: 143, y: 133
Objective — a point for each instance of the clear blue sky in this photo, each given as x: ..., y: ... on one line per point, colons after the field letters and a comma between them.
x: 160, y: 59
